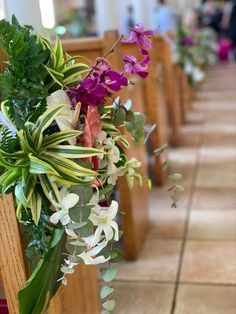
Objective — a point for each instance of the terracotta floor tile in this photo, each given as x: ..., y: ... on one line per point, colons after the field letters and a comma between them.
x: 214, y: 198
x: 167, y: 223
x: 199, y: 299
x: 209, y: 262
x: 143, y: 298
x: 160, y: 198
x: 158, y: 261
x: 212, y: 140
x: 218, y: 154
x: 216, y: 177
x: 212, y: 224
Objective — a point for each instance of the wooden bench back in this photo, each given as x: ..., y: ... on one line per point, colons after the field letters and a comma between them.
x: 164, y: 55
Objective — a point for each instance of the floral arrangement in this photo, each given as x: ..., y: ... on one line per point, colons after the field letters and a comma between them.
x: 194, y: 52
x: 62, y: 150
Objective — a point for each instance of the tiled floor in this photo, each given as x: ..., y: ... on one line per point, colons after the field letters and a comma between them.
x: 188, y: 263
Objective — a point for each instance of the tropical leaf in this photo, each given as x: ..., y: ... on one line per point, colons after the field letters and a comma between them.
x: 50, y: 188
x: 38, y: 166
x: 34, y: 298
x: 44, y: 121
x: 36, y: 206
x: 59, y: 137
x: 70, y: 151
x: 67, y: 165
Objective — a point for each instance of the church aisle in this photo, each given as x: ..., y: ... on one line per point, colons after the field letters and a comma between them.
x: 188, y: 263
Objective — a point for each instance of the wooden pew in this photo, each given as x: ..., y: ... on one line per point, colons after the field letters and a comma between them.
x: 133, y: 202
x: 80, y: 296
x: 164, y: 55
x: 184, y: 90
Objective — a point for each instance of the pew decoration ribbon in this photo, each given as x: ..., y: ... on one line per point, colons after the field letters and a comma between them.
x: 194, y: 51
x: 62, y: 149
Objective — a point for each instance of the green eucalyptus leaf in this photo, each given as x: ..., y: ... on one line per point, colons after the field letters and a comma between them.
x: 160, y: 150
x: 175, y: 176
x: 109, y: 305
x: 105, y: 291
x: 108, y: 274
x: 80, y: 212
x: 179, y: 188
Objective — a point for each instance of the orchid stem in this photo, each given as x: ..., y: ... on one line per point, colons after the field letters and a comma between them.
x: 112, y: 49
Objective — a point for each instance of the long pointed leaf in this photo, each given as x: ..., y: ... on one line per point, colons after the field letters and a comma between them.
x: 59, y: 137
x: 68, y: 165
x: 38, y: 166
x: 36, y: 206
x: 44, y: 121
x: 70, y: 151
x: 50, y: 189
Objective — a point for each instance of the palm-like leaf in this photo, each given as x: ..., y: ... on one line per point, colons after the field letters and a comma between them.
x: 39, y: 159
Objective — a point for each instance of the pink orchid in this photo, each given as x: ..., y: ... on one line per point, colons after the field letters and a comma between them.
x: 139, y: 35
x: 133, y: 66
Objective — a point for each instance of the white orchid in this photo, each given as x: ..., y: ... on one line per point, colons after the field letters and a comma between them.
x: 188, y: 68
x: 198, y: 74
x: 69, y: 200
x: 103, y: 218
x: 89, y: 256
x: 112, y: 151
x: 66, y: 119
x: 128, y: 169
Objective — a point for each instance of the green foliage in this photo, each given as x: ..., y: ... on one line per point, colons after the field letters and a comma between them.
x: 43, y: 283
x: 109, y: 305
x: 35, y: 69
x: 105, y: 291
x: 135, y: 122
x: 8, y: 142
x: 23, y: 81
x: 108, y: 274
x: 38, y: 159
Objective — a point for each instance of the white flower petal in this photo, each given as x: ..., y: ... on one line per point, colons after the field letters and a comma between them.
x: 55, y: 217
x: 88, y: 260
x: 71, y: 233
x: 94, y: 219
x: 97, y: 235
x: 113, y: 209
x: 97, y: 249
x: 108, y: 232
x: 70, y: 200
x: 115, y: 227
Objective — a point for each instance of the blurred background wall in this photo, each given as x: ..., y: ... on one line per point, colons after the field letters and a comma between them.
x: 77, y: 18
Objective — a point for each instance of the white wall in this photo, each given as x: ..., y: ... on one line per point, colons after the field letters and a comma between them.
x: 26, y: 11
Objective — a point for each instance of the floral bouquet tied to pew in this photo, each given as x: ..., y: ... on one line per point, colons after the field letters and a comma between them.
x: 194, y: 52
x: 62, y: 150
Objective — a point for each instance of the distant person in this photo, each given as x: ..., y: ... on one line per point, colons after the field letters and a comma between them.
x: 228, y: 30
x: 129, y: 20
x: 165, y: 19
x: 208, y: 12
x: 211, y: 16
x: 232, y: 29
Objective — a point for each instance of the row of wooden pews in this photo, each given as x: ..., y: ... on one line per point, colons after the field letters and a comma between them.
x: 165, y: 98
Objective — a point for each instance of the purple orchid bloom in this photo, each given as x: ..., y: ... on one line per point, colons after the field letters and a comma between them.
x: 113, y: 80
x: 133, y: 66
x: 139, y: 35
x: 88, y: 92
x: 188, y: 41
